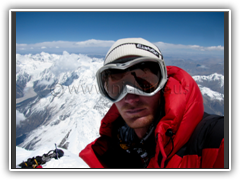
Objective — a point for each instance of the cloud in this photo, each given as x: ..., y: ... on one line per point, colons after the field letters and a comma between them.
x: 100, y: 47
x: 19, y: 117
x: 190, y: 51
x: 95, y: 43
x: 168, y: 46
x: 45, y: 82
x: 91, y: 46
x: 66, y: 63
x: 215, y: 48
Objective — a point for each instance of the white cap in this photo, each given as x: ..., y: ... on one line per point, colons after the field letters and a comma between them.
x: 132, y: 47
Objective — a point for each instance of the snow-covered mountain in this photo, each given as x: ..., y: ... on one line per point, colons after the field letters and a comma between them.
x: 212, y: 88
x: 58, y: 102
x: 64, y: 107
x: 214, y: 81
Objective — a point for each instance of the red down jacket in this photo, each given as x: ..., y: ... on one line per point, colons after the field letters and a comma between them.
x: 194, y: 140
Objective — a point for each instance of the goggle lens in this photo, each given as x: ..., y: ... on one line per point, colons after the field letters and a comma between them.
x: 144, y: 76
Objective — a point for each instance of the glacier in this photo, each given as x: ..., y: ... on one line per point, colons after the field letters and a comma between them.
x: 58, y: 101
x: 65, y: 86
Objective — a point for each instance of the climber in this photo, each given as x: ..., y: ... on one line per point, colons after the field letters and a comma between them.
x: 150, y: 125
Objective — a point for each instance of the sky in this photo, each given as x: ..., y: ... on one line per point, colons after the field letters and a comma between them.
x: 185, y: 34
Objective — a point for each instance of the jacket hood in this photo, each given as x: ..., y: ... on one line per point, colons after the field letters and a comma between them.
x: 183, y: 111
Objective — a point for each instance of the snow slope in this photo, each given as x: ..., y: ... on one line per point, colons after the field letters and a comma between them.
x: 69, y: 160
x: 213, y: 95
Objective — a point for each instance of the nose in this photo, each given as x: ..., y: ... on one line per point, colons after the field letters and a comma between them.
x: 131, y: 99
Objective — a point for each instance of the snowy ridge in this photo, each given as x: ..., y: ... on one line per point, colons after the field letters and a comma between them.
x: 213, y: 95
x: 210, y: 78
x: 215, y: 83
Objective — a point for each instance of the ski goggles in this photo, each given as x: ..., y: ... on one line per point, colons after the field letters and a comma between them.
x: 142, y: 76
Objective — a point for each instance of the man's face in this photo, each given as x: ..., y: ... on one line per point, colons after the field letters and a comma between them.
x: 138, y: 111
